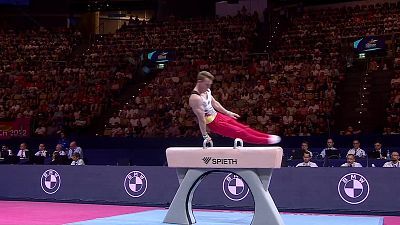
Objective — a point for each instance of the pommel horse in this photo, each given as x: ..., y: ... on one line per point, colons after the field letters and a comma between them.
x: 253, y: 164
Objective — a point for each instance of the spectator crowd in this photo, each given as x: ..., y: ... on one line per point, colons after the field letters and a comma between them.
x: 44, y: 75
x: 290, y: 92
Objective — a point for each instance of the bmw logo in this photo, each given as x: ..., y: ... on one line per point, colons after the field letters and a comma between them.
x: 135, y: 184
x: 353, y: 188
x: 234, y: 187
x: 50, y: 181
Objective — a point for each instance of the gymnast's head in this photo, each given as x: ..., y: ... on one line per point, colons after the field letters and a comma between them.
x: 204, y: 81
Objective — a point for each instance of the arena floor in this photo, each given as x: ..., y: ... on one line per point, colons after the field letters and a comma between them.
x: 47, y: 213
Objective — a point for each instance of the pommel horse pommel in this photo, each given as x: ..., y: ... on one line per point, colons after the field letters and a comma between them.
x: 253, y: 164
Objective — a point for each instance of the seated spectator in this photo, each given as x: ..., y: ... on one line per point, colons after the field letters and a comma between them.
x: 392, y: 111
x: 356, y: 150
x: 300, y: 153
x: 73, y: 148
x: 329, y: 147
x: 114, y: 120
x: 394, y: 161
x: 40, y: 131
x: 350, y: 131
x: 55, y: 159
x: 23, y: 152
x: 396, y: 80
x: 377, y: 153
x: 351, y: 161
x: 42, y: 151
x: 63, y: 140
x: 8, y: 155
x: 306, y: 161
x: 60, y: 150
x: 5, y: 152
x: 40, y: 155
x: 59, y: 156
x: 76, y: 160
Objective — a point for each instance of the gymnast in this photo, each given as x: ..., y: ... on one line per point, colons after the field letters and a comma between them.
x: 211, y: 113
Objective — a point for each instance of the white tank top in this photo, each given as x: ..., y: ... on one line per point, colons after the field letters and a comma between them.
x: 208, y: 108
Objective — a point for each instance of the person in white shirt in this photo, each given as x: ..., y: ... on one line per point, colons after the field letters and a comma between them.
x: 73, y: 147
x: 351, y: 161
x: 394, y: 161
x: 115, y: 119
x: 307, y: 161
x: 76, y: 160
x: 60, y: 150
x: 23, y: 152
x: 212, y: 115
x: 356, y: 150
x: 42, y: 151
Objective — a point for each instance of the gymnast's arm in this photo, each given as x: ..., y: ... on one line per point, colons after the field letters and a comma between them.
x: 196, y: 104
x: 217, y: 106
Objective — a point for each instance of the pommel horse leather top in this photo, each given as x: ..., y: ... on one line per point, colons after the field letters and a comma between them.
x: 225, y: 157
x: 253, y: 164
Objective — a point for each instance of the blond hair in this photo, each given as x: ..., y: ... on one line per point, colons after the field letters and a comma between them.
x: 204, y: 74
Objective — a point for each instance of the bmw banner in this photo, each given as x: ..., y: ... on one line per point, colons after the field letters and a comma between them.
x: 351, y: 190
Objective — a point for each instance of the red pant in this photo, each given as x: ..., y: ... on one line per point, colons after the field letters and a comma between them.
x: 229, y: 127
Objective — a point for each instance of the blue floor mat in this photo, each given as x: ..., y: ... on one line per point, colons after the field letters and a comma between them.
x: 155, y: 217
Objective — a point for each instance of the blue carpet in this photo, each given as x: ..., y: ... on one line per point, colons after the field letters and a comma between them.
x: 155, y: 217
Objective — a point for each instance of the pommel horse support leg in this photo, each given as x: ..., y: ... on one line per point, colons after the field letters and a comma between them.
x: 253, y: 164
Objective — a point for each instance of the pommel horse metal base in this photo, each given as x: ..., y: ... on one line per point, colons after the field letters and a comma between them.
x: 253, y: 164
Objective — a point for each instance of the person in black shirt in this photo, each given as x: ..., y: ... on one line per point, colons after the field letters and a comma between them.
x: 299, y: 153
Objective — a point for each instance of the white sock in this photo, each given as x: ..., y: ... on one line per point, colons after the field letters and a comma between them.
x: 274, y: 139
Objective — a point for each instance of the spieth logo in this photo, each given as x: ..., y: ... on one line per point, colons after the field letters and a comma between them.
x: 353, y: 188
x: 50, y: 181
x: 206, y: 160
x: 234, y: 188
x: 135, y: 184
x: 219, y: 161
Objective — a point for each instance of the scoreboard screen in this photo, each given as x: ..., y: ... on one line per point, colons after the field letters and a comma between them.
x: 369, y: 44
x: 161, y: 56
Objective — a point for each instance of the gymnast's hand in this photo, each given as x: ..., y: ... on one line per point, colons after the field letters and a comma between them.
x: 233, y: 115
x: 207, y: 138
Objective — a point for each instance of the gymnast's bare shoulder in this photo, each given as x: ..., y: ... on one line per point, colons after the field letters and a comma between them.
x: 195, y: 101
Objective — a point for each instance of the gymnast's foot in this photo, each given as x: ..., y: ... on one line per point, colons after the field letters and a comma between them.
x: 273, y: 139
